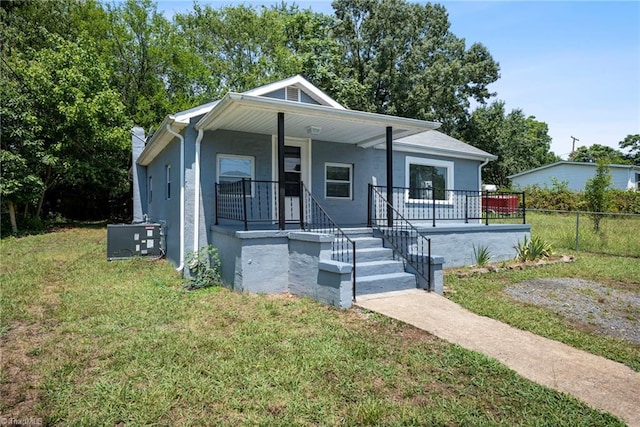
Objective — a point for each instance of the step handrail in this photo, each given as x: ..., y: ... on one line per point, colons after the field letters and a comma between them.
x: 399, y: 235
x: 326, y: 224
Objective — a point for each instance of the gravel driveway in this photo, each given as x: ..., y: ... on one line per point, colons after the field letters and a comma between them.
x: 609, y: 311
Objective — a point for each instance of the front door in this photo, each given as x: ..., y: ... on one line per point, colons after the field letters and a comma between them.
x: 296, y: 170
x: 293, y: 177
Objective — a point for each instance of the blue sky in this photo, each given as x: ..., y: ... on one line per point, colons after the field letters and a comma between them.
x: 574, y: 65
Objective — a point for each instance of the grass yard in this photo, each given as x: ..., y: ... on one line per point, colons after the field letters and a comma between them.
x: 485, y: 295
x: 618, y: 235
x: 86, y: 342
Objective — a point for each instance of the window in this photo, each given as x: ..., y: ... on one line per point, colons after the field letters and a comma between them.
x: 428, y: 179
x: 232, y: 168
x: 167, y: 174
x: 338, y: 180
x: 150, y: 190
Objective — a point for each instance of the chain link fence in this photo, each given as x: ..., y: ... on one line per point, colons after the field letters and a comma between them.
x: 617, y: 234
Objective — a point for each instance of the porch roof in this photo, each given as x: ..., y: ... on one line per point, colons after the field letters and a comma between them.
x: 257, y: 114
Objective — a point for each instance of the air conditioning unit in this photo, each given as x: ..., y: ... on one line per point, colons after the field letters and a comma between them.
x: 135, y: 240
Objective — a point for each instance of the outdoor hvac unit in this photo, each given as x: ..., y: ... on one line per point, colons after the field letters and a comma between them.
x: 134, y: 240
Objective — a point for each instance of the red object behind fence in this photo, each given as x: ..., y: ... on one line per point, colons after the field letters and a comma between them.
x: 502, y: 204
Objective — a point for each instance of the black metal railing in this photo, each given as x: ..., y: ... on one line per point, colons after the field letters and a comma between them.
x: 405, y: 239
x: 314, y: 218
x: 429, y: 206
x: 250, y: 201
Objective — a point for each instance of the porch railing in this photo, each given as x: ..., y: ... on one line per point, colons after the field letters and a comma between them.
x: 314, y: 218
x: 430, y: 206
x: 404, y: 238
x: 250, y: 201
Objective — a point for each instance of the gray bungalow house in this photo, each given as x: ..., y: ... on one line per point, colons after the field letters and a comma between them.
x: 302, y: 195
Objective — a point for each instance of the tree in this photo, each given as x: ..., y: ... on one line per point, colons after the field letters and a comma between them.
x: 407, y: 62
x: 595, y: 193
x: 598, y: 152
x: 147, y: 59
x: 632, y: 143
x: 67, y: 126
x: 520, y: 142
x: 241, y: 47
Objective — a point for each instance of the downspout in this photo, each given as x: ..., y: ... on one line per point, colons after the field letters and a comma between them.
x: 181, y: 138
x: 480, y: 173
x: 196, y: 194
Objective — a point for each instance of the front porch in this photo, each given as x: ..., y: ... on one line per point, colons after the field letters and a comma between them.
x: 404, y: 244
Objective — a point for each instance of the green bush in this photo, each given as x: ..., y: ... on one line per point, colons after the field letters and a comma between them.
x: 532, y: 249
x: 625, y: 201
x: 204, y: 268
x: 558, y: 197
x: 621, y: 201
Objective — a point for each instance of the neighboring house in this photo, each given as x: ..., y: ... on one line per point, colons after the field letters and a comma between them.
x: 576, y: 174
x: 269, y: 175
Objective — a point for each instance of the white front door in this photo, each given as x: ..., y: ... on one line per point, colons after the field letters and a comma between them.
x: 297, y: 168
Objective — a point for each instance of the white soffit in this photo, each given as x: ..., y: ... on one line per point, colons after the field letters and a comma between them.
x: 255, y: 114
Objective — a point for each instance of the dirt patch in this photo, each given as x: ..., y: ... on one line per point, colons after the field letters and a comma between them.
x: 604, y: 309
x: 20, y: 384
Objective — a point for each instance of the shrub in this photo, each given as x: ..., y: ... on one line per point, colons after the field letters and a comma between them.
x: 204, y: 268
x: 481, y: 255
x: 532, y: 249
x: 596, y: 195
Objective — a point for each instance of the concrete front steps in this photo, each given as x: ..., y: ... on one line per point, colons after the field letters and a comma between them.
x: 376, y: 269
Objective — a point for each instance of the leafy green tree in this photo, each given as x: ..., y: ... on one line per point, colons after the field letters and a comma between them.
x: 596, y: 194
x: 407, y: 62
x: 241, y: 47
x: 144, y: 50
x: 598, y: 152
x: 520, y: 142
x: 67, y: 128
x: 632, y: 143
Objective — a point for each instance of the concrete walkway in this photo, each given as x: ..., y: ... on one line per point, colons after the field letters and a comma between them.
x: 599, y: 382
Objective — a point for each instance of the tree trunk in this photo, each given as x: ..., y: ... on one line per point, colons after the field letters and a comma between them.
x: 12, y: 217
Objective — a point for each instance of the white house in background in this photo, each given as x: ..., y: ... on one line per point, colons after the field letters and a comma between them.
x: 576, y: 174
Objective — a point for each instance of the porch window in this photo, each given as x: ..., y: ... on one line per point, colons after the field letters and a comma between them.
x: 232, y: 168
x: 338, y: 180
x: 428, y: 179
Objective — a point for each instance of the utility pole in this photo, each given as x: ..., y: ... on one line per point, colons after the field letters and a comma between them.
x: 573, y: 147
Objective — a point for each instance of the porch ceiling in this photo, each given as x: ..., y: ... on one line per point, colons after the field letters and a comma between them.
x: 256, y: 114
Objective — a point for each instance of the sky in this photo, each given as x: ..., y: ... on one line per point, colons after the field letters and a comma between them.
x: 574, y: 65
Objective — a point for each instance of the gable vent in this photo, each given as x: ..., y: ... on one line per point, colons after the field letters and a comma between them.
x: 293, y: 94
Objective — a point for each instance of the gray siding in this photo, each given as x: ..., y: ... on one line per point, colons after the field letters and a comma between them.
x: 367, y: 163
x: 576, y: 176
x: 228, y: 142
x: 159, y: 209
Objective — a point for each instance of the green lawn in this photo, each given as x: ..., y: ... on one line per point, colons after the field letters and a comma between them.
x: 618, y: 235
x: 106, y: 343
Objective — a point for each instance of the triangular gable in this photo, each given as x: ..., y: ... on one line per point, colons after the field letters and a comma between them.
x: 297, y: 82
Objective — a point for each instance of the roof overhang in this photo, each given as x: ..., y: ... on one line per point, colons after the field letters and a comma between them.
x: 421, y: 149
x: 256, y: 114
x: 160, y: 139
